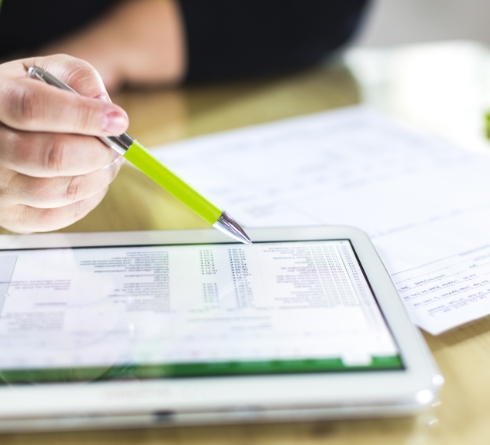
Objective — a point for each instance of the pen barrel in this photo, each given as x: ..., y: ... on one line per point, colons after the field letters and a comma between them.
x: 142, y: 159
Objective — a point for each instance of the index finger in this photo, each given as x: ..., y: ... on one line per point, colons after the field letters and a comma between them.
x: 76, y: 73
x: 28, y: 104
x: 31, y: 105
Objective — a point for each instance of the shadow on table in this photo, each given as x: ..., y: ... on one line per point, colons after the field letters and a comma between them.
x: 461, y: 334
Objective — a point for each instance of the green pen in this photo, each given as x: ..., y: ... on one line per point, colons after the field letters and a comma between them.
x: 141, y: 158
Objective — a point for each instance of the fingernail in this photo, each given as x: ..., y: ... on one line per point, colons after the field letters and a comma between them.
x: 116, y: 162
x: 115, y: 123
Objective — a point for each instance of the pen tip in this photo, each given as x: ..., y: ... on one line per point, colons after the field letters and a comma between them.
x: 230, y: 227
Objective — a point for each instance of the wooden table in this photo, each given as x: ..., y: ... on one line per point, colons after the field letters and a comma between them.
x: 135, y: 203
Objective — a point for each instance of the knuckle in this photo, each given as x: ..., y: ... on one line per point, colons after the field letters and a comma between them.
x: 25, y: 106
x: 56, y: 154
x: 42, y: 220
x: 13, y: 139
x: 39, y: 191
x: 22, y: 149
x: 83, y: 76
x: 73, y: 189
x: 18, y: 219
x: 83, y: 118
x: 50, y: 192
x: 31, y: 153
x: 80, y: 209
x: 7, y: 206
x: 8, y: 188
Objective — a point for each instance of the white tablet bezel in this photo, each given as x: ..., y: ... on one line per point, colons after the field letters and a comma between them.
x: 413, y: 388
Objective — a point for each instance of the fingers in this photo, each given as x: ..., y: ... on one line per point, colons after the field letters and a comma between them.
x: 52, y: 170
x: 25, y: 219
x: 48, y: 155
x: 46, y: 193
x: 29, y: 104
x: 76, y: 73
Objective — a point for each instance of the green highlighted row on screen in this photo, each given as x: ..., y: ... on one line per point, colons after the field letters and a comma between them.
x: 203, y: 369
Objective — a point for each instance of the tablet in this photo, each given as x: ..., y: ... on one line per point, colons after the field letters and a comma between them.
x: 185, y: 327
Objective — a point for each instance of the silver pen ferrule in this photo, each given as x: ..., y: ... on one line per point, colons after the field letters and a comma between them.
x: 119, y: 143
x: 230, y: 227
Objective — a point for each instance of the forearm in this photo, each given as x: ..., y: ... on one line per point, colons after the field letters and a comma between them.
x: 165, y: 41
x: 139, y: 41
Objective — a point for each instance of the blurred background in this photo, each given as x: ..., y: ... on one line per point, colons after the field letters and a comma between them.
x: 394, y: 22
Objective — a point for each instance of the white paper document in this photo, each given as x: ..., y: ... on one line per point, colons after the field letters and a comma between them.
x: 424, y: 202
x: 181, y: 304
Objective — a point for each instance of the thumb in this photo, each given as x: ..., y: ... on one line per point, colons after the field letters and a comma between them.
x: 29, y: 104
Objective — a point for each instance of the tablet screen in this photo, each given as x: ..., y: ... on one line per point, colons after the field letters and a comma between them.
x: 189, y: 310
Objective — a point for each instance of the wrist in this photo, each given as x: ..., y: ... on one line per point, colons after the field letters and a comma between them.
x: 151, y: 41
x: 140, y: 41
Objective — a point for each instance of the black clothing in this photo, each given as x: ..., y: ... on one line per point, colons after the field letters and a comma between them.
x: 238, y: 38
x: 28, y: 24
x: 225, y: 38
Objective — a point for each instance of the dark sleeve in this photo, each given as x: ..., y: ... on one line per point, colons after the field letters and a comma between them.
x: 28, y: 24
x: 229, y: 39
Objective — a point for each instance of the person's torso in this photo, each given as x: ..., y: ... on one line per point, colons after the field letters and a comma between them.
x: 29, y: 24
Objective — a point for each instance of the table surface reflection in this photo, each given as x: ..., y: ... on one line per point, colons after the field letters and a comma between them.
x: 404, y: 82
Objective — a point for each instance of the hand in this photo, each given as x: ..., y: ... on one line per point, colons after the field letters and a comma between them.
x: 139, y: 42
x: 51, y: 172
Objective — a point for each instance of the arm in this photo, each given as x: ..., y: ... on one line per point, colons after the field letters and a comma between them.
x: 162, y: 41
x: 138, y: 41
